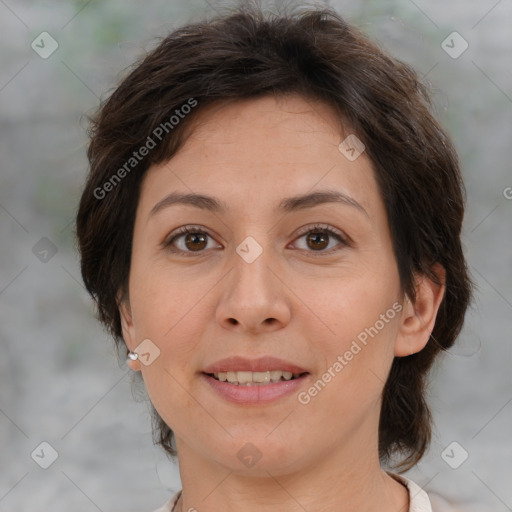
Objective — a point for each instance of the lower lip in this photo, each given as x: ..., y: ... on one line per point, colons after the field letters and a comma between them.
x: 255, y: 394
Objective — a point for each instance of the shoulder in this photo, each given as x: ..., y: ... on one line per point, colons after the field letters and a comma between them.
x: 440, y: 504
x: 418, y: 498
x: 420, y: 501
x: 169, y: 505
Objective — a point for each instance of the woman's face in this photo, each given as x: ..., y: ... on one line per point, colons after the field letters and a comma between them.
x: 250, y: 283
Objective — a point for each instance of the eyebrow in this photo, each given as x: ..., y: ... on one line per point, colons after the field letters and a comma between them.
x: 289, y: 204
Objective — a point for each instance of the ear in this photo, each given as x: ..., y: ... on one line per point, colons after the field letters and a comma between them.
x: 418, y: 319
x: 128, y: 331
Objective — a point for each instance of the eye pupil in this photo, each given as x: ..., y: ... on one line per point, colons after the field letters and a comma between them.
x: 192, y: 237
x: 315, y: 238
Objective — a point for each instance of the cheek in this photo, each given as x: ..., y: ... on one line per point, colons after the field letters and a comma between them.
x: 354, y: 303
x: 164, y: 387
x: 161, y: 296
x: 167, y: 312
x: 362, y: 314
x: 349, y: 385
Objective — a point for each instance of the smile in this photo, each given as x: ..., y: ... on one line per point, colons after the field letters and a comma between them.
x: 242, y: 387
x: 246, y: 378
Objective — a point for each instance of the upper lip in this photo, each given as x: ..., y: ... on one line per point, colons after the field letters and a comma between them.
x: 262, y: 364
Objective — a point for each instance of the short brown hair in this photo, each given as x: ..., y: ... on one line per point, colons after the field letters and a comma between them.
x: 316, y: 53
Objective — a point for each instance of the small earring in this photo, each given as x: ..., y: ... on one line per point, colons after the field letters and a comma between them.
x: 133, y: 356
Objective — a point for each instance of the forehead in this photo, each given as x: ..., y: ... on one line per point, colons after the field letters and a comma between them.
x: 257, y: 151
x: 283, y: 124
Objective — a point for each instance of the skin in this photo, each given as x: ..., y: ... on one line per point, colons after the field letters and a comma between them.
x: 322, y: 456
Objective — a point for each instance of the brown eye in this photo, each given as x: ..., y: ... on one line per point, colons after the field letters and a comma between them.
x: 192, y: 240
x: 195, y: 241
x: 318, y: 238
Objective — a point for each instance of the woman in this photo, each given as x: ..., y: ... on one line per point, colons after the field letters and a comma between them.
x: 271, y: 226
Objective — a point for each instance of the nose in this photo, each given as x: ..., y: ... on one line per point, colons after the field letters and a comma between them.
x: 254, y: 297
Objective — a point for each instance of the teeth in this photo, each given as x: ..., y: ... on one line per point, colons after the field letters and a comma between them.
x: 244, y: 378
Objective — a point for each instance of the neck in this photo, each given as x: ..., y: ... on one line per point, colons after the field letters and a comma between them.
x: 333, y: 482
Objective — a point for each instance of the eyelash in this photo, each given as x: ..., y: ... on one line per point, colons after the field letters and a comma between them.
x: 317, y: 228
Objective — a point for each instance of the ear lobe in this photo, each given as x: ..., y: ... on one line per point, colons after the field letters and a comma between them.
x: 129, y: 334
x: 418, y: 319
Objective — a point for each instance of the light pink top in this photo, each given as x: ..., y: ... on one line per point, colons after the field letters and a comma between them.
x: 419, y: 500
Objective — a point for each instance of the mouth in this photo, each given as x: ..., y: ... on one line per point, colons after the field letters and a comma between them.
x: 255, y: 388
x: 247, y: 381
x: 247, y: 378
